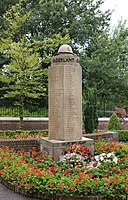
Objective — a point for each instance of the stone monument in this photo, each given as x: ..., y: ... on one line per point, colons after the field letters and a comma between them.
x: 65, y: 104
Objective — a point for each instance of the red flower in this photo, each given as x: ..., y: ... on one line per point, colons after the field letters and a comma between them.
x: 124, y: 180
x: 29, y: 186
x: 21, y: 162
x: 34, y: 155
x: 94, y: 164
x: 79, y: 148
x: 61, y: 186
x: 118, y: 171
x: 26, y: 173
x: 69, y: 150
x: 14, y: 165
x: 50, y: 184
x: 126, y: 190
x: 90, y: 175
x: 86, y: 150
x: 30, y: 150
x: 52, y: 169
x: 52, y: 157
x: 39, y: 159
x: 18, y: 178
x: 5, y: 165
x: 20, y: 184
x: 71, y: 187
x: 39, y: 174
x: 81, y: 174
x: 110, y: 168
x: 67, y: 171
x: 6, y: 147
x: 77, y: 181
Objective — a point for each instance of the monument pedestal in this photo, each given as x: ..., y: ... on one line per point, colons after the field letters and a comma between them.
x: 56, y: 148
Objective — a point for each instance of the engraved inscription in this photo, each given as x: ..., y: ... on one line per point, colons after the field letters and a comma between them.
x: 68, y: 59
x: 65, y: 91
x: 55, y: 101
x: 72, y: 111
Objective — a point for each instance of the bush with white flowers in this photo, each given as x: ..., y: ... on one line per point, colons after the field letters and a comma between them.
x: 103, y: 157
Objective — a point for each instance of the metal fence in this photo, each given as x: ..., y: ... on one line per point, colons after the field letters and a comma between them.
x: 31, y: 112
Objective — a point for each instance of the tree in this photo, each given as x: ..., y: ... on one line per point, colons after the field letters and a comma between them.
x: 105, y: 65
x: 82, y: 18
x: 23, y: 75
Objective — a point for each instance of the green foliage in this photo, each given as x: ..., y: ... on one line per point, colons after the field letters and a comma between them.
x: 90, y: 116
x: 108, y: 53
x: 95, y: 113
x: 82, y: 18
x: 113, y: 123
x: 123, y: 135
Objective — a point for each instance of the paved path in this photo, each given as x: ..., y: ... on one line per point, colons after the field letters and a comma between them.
x: 6, y: 194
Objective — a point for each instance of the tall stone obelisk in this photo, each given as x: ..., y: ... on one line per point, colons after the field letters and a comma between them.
x: 65, y: 96
x: 65, y: 104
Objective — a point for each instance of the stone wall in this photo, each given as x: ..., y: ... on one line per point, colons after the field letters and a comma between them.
x: 104, y: 135
x: 19, y: 144
x: 29, y: 123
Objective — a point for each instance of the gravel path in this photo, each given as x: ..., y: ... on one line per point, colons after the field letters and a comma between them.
x: 6, y: 194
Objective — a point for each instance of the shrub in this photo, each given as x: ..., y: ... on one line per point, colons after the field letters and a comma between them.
x: 123, y: 135
x: 113, y: 123
x: 90, y: 116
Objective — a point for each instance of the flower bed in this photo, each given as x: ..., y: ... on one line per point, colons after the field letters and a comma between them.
x: 105, y: 175
x: 22, y: 134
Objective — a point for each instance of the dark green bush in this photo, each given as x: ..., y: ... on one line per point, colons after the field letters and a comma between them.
x: 123, y: 135
x: 90, y: 116
x: 113, y: 123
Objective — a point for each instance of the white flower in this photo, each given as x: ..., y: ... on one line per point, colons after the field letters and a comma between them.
x: 109, y: 155
x: 96, y: 158
x: 103, y: 154
x: 115, y: 159
x: 101, y: 158
x: 107, y: 160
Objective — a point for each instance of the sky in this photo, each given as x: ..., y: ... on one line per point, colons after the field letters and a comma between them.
x: 120, y: 10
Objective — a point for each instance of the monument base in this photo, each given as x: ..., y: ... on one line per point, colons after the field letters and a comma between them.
x: 57, y: 148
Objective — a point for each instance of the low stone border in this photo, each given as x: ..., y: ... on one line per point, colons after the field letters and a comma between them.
x: 54, y: 197
x: 104, y: 135
x: 18, y: 144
